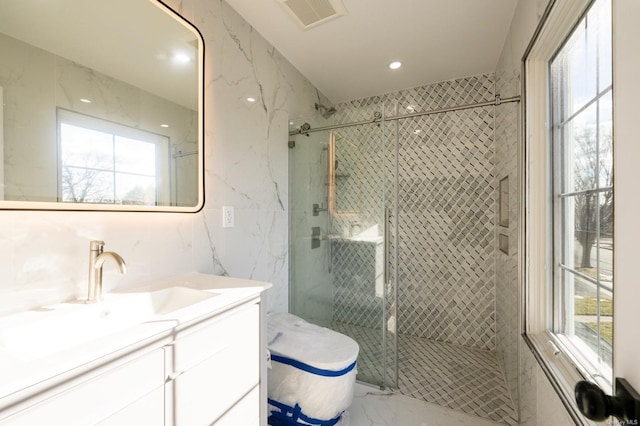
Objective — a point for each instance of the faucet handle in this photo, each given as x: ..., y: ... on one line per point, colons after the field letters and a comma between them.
x: 96, y: 245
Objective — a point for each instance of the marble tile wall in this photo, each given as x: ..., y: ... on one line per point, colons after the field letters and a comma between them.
x: 44, y: 255
x: 311, y: 271
x: 508, y: 323
x: 530, y: 389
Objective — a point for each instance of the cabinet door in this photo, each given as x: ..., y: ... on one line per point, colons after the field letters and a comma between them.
x: 205, y: 389
x: 90, y: 401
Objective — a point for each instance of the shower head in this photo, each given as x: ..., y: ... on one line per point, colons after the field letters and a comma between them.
x: 326, y: 112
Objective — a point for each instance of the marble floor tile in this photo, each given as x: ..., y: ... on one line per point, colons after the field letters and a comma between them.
x: 372, y: 407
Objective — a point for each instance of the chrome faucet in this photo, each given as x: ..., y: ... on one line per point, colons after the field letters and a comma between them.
x: 97, y: 257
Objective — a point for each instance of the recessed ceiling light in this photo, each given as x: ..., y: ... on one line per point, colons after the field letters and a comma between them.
x: 250, y: 99
x: 86, y: 101
x: 182, y: 58
x: 164, y: 125
x: 395, y: 65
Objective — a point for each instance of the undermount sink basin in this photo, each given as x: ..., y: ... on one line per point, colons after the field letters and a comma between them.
x: 42, y: 332
x: 163, y: 302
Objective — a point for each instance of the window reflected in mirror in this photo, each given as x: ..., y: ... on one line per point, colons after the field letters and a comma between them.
x: 106, y: 163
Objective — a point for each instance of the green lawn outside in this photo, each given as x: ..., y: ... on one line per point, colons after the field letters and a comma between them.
x: 587, y: 306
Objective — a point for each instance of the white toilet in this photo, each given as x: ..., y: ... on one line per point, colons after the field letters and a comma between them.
x: 311, y: 374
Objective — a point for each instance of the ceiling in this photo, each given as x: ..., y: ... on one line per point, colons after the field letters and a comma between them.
x: 347, y: 57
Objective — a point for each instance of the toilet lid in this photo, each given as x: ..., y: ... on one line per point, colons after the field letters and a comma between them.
x: 295, y: 338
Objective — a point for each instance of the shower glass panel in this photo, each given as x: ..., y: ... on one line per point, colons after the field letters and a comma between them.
x: 341, y: 238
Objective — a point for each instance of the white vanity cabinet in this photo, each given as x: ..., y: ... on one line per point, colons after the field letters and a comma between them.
x: 209, y: 370
x: 91, y: 398
x: 143, y: 411
x: 213, y: 368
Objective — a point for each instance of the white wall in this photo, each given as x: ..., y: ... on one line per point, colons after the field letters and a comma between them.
x: 539, y: 404
x: 626, y: 61
x: 44, y: 255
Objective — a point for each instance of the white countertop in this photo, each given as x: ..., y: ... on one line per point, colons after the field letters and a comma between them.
x: 21, y: 376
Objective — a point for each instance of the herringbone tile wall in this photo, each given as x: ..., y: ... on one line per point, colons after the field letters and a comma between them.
x: 446, y: 218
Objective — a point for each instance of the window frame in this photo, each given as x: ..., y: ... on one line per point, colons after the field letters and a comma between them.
x: 564, y: 366
x: 583, y: 353
x: 162, y: 143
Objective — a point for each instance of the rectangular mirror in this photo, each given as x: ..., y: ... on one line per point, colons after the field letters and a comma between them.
x: 101, y: 106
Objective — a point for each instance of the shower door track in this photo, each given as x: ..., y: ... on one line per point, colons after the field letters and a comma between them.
x: 379, y: 119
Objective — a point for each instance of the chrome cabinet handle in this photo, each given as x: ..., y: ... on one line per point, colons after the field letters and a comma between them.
x: 174, y: 375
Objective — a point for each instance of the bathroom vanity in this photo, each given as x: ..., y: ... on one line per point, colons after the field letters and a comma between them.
x: 187, y: 351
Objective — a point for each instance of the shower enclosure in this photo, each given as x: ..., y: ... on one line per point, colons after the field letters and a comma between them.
x: 393, y: 239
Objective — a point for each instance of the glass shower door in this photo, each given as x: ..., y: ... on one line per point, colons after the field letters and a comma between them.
x: 340, y: 223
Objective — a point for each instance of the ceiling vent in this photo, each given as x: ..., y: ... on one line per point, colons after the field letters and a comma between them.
x: 309, y: 13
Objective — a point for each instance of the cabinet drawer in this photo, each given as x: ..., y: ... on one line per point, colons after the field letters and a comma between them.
x: 97, y: 398
x: 209, y: 387
x: 246, y: 412
x: 234, y: 328
x: 147, y: 411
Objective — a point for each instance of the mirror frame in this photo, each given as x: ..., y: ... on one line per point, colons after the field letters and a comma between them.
x: 63, y: 206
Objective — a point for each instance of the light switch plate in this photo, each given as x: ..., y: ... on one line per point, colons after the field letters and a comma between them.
x: 228, y: 219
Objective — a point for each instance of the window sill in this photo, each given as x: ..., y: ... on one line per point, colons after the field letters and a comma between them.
x: 561, y: 371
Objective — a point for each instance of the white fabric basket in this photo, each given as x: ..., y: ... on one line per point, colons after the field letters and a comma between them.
x: 312, y: 372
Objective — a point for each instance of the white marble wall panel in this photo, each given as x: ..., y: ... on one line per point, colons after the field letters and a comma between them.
x: 247, y: 163
x: 507, y: 141
x: 312, y: 281
x: 48, y: 252
x: 530, y: 389
x: 26, y: 76
x: 507, y: 292
x: 44, y: 255
x: 540, y: 403
x: 548, y: 405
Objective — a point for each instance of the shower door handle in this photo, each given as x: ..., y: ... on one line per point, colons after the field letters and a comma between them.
x: 385, y: 260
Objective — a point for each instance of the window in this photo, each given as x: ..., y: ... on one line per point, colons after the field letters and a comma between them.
x: 106, y: 162
x: 582, y: 202
x: 568, y: 232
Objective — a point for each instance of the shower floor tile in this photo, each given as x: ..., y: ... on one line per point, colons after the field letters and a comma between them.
x: 463, y: 379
